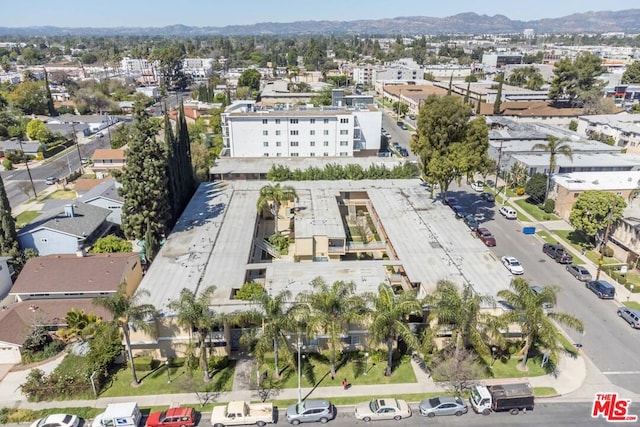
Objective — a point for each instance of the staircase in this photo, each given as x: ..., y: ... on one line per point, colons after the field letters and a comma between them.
x: 266, y: 246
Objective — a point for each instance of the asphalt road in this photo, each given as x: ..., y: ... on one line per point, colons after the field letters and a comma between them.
x: 611, y: 344
x: 17, y: 183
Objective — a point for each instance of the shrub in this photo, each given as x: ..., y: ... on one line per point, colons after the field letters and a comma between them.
x: 608, y: 251
x: 249, y: 291
x: 8, y: 164
x: 144, y: 363
x: 549, y: 206
x: 520, y: 191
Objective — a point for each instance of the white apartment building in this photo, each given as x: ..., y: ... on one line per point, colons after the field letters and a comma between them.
x: 364, y: 75
x: 198, y: 68
x: 299, y: 132
x: 624, y: 128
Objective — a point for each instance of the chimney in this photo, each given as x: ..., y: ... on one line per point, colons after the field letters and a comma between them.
x: 80, y: 253
x: 68, y: 211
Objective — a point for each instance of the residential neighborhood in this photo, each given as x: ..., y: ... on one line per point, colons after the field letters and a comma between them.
x: 225, y: 224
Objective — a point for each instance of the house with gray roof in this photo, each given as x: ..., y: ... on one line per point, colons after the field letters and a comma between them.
x: 105, y: 195
x: 65, y: 230
x: 30, y: 148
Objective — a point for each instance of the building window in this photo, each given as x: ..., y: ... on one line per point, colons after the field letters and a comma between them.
x: 293, y: 121
x: 344, y: 131
x: 294, y: 154
x: 294, y: 143
x: 278, y: 154
x: 326, y: 121
x: 265, y: 154
x: 325, y: 154
x: 325, y: 132
x: 277, y: 121
x: 312, y: 132
x: 312, y: 143
x: 294, y: 132
x: 344, y: 143
x: 325, y: 143
x: 265, y: 132
x: 277, y: 132
x: 312, y: 121
x: 265, y: 144
x: 265, y: 121
x: 344, y: 120
x: 344, y: 154
x: 312, y: 154
x: 278, y: 143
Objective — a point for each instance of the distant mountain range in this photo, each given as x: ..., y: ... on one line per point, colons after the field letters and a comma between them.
x: 627, y: 21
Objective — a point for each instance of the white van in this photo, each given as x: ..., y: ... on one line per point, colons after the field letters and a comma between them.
x: 508, y: 212
x: 124, y: 414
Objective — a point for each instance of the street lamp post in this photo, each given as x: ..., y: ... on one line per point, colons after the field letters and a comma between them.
x: 366, y: 362
x: 166, y: 363
x: 299, y: 345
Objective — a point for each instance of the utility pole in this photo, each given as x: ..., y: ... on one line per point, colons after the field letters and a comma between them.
x: 605, y: 239
x: 26, y: 163
x: 75, y: 140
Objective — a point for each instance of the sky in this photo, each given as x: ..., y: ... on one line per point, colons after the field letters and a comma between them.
x: 220, y: 13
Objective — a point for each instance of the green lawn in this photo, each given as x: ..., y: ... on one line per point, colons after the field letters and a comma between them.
x: 156, y: 382
x: 26, y: 217
x: 544, y: 391
x: 62, y: 195
x: 569, y: 348
x: 315, y: 372
x: 632, y: 304
x: 535, y: 211
x: 544, y: 235
x: 508, y: 368
x: 577, y: 241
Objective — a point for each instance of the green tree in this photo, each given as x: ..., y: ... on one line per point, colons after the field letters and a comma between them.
x: 528, y: 77
x: 278, y: 320
x: 538, y: 327
x: 388, y: 319
x: 38, y: 131
x: 144, y: 183
x: 111, y: 244
x: 170, y: 57
x: 50, y: 107
x: 127, y: 312
x: 400, y: 108
x: 593, y: 209
x: 555, y: 147
x: 573, y: 125
x: 448, y: 144
x: 272, y: 197
x: 30, y: 97
x: 250, y: 291
x: 250, y: 78
x: 322, y: 97
x: 8, y: 237
x: 193, y: 314
x: 536, y: 187
x: 498, y: 102
x: 632, y: 73
x: 330, y: 308
x: 576, y: 81
x: 462, y: 314
x: 80, y: 324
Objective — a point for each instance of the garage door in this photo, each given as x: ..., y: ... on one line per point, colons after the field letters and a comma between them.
x: 9, y: 355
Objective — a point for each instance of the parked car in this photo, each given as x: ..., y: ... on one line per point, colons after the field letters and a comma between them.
x: 386, y: 408
x: 471, y: 222
x: 404, y: 152
x: 485, y: 236
x: 309, y: 411
x: 508, y: 212
x: 396, y: 145
x: 99, y: 135
x: 513, y: 265
x: 443, y: 405
x: 459, y: 211
x: 631, y: 316
x: 172, y: 417
x: 478, y: 186
x: 57, y: 420
x: 602, y: 288
x: 546, y: 306
x: 51, y: 180
x: 487, y: 197
x: 558, y: 253
x: 579, y: 272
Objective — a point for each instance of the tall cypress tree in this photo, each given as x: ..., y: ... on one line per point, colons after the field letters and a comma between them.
x: 466, y: 95
x: 450, y: 84
x: 498, y: 103
x: 184, y: 152
x: 8, y: 236
x: 50, y: 107
x: 172, y: 171
x: 144, y: 182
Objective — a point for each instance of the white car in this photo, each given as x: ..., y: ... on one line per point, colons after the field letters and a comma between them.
x: 387, y: 408
x: 513, y: 265
x: 57, y: 420
x: 478, y: 186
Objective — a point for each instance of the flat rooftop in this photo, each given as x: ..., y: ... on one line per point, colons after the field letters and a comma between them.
x: 584, y: 159
x: 213, y: 241
x: 603, y: 181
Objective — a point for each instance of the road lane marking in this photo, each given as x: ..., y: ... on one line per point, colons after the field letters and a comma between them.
x: 622, y: 373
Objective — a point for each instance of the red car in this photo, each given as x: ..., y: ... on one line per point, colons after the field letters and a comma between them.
x: 486, y: 236
x: 173, y: 417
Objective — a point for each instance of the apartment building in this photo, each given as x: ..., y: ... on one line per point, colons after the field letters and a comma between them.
x: 299, y: 131
x: 623, y: 128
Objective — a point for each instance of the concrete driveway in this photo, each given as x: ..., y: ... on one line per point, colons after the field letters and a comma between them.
x: 10, y: 393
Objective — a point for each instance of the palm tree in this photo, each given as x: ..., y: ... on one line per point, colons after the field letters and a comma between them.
x: 537, y: 326
x: 193, y: 313
x: 462, y: 312
x: 554, y: 147
x: 272, y: 197
x: 388, y: 319
x: 128, y: 312
x: 277, y: 317
x: 330, y: 309
x: 80, y: 324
